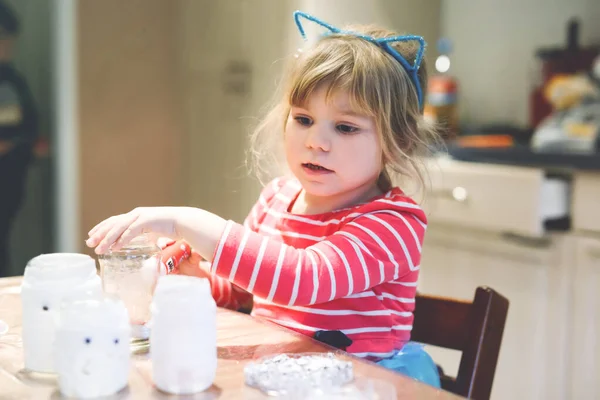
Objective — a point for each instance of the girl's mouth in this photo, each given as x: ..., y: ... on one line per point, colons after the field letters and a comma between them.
x: 315, y: 168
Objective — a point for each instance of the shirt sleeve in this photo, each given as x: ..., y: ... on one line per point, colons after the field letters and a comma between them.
x: 225, y: 293
x: 374, y: 248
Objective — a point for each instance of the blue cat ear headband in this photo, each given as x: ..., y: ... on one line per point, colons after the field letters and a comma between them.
x: 384, y: 43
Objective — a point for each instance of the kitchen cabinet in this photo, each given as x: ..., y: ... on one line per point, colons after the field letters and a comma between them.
x: 584, y: 352
x: 486, y: 227
x: 535, y: 276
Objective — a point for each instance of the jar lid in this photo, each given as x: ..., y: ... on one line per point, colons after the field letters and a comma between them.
x: 141, y: 245
x: 59, y: 267
x: 181, y: 290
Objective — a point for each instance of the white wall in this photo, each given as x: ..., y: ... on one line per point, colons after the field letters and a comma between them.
x: 259, y: 34
x: 213, y: 36
x: 129, y: 108
x: 415, y: 17
x: 494, y: 46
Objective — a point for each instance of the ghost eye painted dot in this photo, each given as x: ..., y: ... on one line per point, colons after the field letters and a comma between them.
x: 117, y: 341
x: 88, y: 340
x: 45, y: 308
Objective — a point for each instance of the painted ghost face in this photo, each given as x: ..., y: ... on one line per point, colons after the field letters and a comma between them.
x: 91, y: 349
x: 48, y: 280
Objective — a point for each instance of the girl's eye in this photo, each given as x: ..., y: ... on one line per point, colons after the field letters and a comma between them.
x: 304, y: 121
x: 343, y: 128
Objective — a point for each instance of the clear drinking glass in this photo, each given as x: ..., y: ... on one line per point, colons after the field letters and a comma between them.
x: 130, y: 274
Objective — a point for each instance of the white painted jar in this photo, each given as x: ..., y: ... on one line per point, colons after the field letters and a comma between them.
x: 183, y: 338
x: 48, y: 279
x: 91, y: 349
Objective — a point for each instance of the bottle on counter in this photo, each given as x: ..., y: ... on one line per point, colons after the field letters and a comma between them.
x: 183, y: 336
x: 441, y: 107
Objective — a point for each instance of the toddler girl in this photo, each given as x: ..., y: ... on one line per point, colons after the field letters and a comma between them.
x: 335, y: 247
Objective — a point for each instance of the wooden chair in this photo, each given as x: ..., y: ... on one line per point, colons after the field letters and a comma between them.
x: 473, y: 328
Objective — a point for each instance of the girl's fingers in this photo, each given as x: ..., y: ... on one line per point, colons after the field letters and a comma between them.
x: 134, y: 229
x: 195, y: 258
x: 187, y: 268
x: 101, y: 230
x: 164, y: 242
x: 116, y: 231
x: 100, y: 225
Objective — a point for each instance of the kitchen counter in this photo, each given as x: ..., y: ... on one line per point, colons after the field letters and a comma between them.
x: 489, y: 217
x: 524, y: 156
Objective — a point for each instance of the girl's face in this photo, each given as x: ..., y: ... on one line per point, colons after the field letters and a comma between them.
x: 333, y: 151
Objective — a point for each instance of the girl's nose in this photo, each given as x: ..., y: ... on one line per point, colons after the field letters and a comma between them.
x: 317, y: 138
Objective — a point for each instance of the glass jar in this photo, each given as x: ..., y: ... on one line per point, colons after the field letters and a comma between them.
x: 48, y: 280
x: 130, y: 273
x: 91, y: 350
x: 184, y: 335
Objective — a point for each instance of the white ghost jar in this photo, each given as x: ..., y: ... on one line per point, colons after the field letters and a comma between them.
x: 91, y: 350
x: 183, y: 338
x: 48, y: 279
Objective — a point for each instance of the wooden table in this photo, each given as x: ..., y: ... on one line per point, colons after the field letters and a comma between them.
x: 240, y: 339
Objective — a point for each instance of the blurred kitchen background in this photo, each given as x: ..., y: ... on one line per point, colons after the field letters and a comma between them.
x: 149, y: 102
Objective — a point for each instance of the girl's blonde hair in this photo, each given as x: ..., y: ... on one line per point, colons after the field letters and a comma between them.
x: 378, y: 86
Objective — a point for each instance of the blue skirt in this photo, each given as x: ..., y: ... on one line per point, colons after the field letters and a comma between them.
x: 412, y: 360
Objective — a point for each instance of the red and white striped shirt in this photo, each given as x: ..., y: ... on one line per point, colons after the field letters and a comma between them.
x: 353, y: 270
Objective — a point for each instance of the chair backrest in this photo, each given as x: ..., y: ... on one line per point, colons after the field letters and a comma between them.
x: 475, y: 328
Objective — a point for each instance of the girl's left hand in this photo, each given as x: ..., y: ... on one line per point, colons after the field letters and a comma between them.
x: 118, y: 230
x: 190, y: 265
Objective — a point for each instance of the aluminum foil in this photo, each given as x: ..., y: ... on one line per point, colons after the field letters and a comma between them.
x: 299, y: 374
